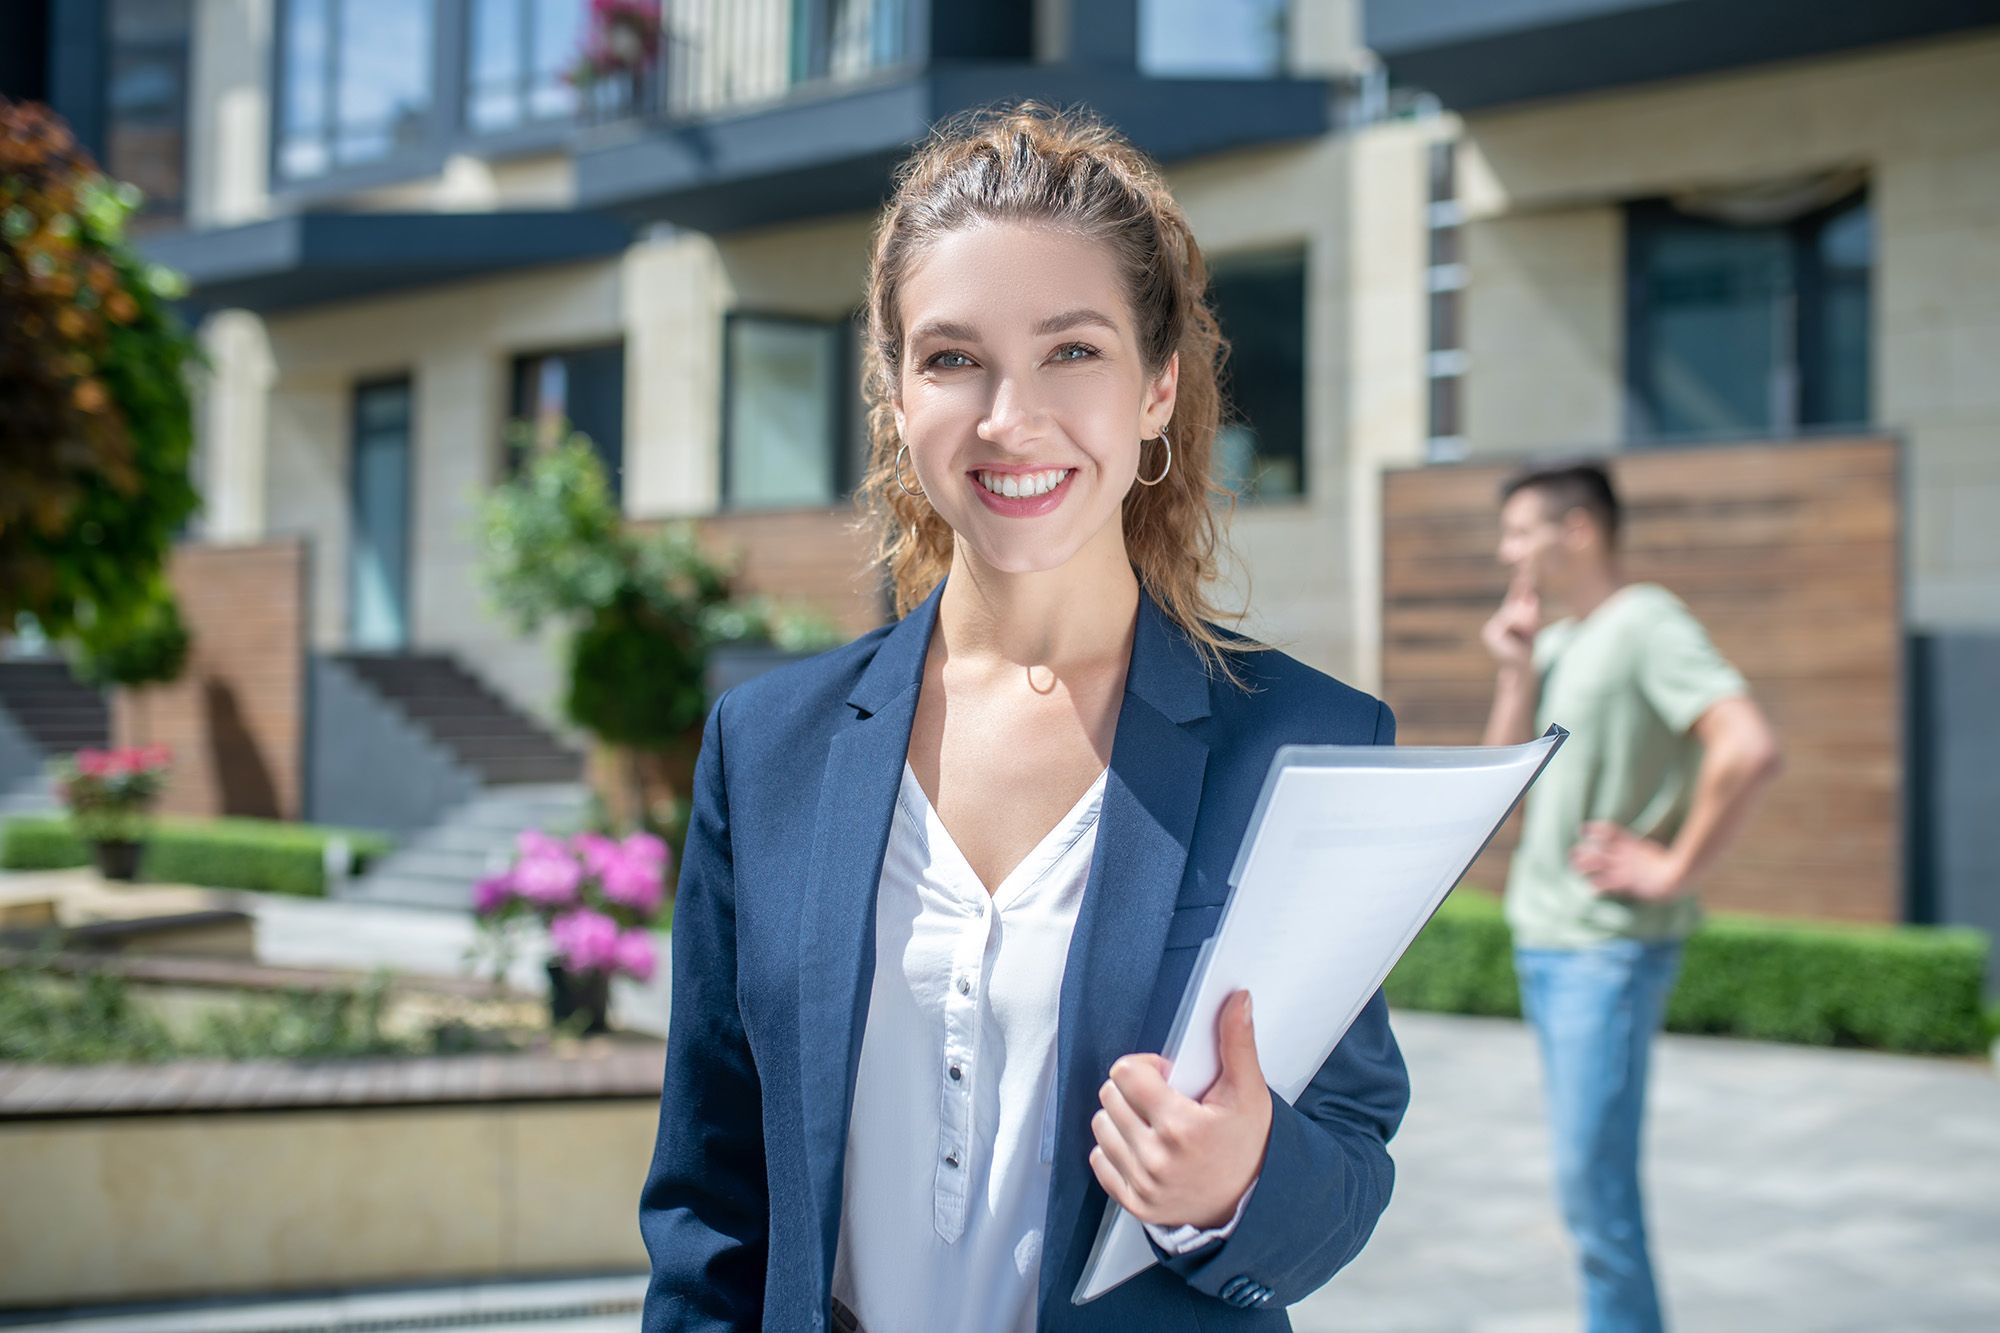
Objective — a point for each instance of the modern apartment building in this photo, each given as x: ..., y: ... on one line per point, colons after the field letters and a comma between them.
x: 1441, y: 232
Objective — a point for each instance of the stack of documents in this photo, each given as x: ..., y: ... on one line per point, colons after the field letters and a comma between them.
x: 1350, y: 850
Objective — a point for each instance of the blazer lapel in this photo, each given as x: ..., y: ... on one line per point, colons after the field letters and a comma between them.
x: 857, y: 801
x: 1150, y: 801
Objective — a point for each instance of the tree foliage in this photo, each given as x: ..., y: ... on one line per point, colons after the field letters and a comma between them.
x: 96, y: 429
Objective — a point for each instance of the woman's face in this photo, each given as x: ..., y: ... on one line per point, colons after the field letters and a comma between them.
x: 1023, y: 396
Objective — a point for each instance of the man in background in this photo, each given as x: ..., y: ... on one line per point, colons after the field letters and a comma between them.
x: 1665, y: 756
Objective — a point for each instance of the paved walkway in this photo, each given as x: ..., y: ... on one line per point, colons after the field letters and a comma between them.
x: 1794, y: 1190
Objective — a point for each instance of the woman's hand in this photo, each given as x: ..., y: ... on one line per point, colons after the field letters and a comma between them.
x: 1170, y: 1160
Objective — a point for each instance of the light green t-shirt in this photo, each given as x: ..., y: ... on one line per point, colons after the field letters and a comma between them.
x: 1629, y: 681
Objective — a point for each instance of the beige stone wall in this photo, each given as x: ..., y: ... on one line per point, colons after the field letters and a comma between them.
x: 1546, y: 269
x: 206, y: 1205
x: 229, y: 112
x: 457, y: 344
x: 1309, y: 566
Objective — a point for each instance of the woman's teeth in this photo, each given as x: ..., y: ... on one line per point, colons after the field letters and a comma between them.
x: 1022, y: 485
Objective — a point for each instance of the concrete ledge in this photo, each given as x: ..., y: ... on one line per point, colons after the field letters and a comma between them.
x: 205, y: 1179
x: 606, y: 1069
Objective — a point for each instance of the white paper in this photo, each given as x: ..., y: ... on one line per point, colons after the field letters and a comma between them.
x: 1350, y: 851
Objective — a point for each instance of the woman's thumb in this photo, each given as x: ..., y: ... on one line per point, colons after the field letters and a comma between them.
x: 1238, y: 1043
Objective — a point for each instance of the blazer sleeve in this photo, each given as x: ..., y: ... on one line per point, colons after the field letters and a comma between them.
x: 705, y: 1210
x: 1326, y: 1176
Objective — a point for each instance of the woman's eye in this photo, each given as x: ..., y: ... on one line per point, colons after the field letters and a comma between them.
x: 948, y: 361
x: 1074, y: 352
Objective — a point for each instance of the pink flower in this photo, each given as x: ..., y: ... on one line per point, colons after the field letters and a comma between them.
x: 596, y: 850
x: 633, y: 881
x: 585, y: 941
x: 646, y: 847
x: 532, y: 842
x: 548, y: 879
x: 634, y: 955
x: 489, y: 895
x: 93, y: 763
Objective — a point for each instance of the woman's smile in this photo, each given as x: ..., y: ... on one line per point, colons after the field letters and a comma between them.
x: 1021, y: 492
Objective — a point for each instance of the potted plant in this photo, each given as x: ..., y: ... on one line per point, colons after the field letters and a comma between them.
x: 110, y: 794
x: 595, y: 897
x: 618, y: 52
x: 646, y: 608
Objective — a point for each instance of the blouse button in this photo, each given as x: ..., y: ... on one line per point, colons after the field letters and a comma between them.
x: 956, y: 1074
x: 951, y: 1160
x: 964, y: 986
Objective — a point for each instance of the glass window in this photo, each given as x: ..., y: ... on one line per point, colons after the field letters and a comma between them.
x: 786, y: 424
x: 356, y: 82
x: 578, y: 389
x: 1260, y: 301
x: 146, y: 96
x: 517, y: 52
x: 378, y: 612
x: 1747, y: 330
x: 1222, y: 38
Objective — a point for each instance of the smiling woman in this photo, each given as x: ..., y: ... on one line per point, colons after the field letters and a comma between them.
x: 1005, y: 216
x: 943, y: 887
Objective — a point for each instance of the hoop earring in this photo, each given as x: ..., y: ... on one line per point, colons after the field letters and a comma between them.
x: 1170, y: 462
x: 897, y: 467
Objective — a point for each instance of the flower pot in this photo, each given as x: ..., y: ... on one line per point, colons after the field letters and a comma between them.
x: 572, y: 993
x: 117, y: 858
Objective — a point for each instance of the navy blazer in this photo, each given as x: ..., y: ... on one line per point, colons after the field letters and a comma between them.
x: 774, y: 936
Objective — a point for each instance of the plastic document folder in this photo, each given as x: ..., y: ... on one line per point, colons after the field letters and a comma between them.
x: 1350, y: 850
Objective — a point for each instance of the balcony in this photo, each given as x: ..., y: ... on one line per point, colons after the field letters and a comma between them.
x: 1475, y: 54
x: 756, y: 112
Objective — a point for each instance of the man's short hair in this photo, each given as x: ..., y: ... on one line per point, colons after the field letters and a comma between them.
x: 1582, y: 485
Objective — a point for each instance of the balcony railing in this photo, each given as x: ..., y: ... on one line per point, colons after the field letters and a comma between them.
x: 724, y: 55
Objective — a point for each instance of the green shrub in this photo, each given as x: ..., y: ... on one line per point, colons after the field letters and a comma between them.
x: 1895, y: 988
x: 265, y: 855
x: 47, y: 1018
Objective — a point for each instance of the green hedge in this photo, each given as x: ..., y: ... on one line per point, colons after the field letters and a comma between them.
x: 266, y: 855
x: 1894, y: 988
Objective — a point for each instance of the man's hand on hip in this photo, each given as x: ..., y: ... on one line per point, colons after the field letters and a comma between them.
x: 1621, y: 864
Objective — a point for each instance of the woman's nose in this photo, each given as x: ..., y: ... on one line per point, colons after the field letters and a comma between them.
x: 1012, y: 411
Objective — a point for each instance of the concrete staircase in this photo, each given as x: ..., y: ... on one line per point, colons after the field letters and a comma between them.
x: 45, y: 713
x: 438, y: 867
x: 464, y: 769
x: 466, y: 718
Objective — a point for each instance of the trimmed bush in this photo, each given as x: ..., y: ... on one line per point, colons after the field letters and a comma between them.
x: 1893, y: 988
x: 270, y: 856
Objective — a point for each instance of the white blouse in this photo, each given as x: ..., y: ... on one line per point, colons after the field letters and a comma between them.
x: 953, y: 1126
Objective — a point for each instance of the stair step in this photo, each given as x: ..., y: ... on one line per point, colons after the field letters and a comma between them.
x: 531, y: 769
x: 467, y: 704
x: 464, y: 866
x: 411, y: 891
x: 472, y: 749
x: 451, y: 726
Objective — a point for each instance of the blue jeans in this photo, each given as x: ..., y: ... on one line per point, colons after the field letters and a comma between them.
x: 1594, y: 1012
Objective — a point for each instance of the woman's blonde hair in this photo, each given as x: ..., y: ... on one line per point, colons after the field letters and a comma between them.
x: 1068, y: 170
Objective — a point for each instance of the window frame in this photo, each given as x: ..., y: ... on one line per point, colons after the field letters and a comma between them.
x: 841, y: 405
x: 1640, y: 411
x: 357, y: 391
x: 1301, y: 249
x: 518, y: 359
x: 447, y: 128
x: 179, y: 49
